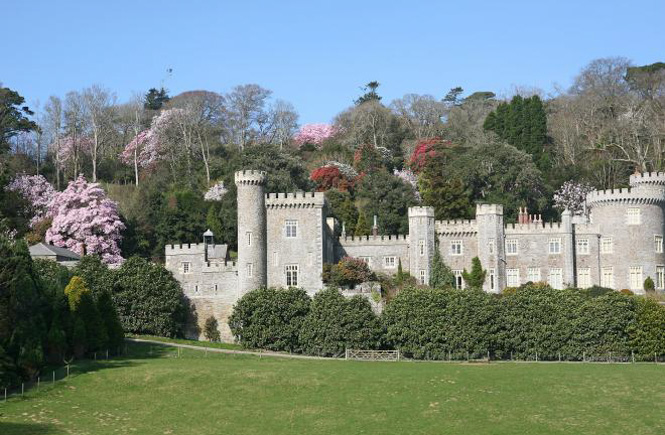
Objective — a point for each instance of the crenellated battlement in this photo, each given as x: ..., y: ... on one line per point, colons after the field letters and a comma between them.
x: 251, y: 177
x: 421, y: 211
x: 219, y: 267
x: 456, y: 227
x: 385, y: 240
x: 185, y: 248
x: 484, y: 209
x: 641, y: 194
x: 295, y: 199
x: 648, y: 178
x: 535, y: 228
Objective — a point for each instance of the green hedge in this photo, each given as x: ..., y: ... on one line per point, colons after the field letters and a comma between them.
x: 427, y: 323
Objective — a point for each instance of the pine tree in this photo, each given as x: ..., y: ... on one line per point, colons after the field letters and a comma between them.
x: 476, y: 278
x: 440, y: 275
x: 362, y: 228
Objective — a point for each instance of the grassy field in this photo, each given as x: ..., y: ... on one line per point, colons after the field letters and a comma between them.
x: 156, y: 393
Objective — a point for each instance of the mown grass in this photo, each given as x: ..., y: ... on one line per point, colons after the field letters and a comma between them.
x: 153, y: 392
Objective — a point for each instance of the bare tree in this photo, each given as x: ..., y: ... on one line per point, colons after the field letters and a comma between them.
x: 98, y: 104
x: 368, y: 122
x: 422, y: 114
x: 245, y: 106
x: 75, y: 127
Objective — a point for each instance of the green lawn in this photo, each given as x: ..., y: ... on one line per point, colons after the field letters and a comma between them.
x: 234, y: 394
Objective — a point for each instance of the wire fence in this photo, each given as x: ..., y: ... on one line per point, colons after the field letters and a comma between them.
x: 48, y: 378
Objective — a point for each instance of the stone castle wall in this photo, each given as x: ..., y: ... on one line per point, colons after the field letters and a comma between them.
x: 214, y: 286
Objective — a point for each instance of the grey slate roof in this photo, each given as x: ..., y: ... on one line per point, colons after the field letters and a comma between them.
x: 43, y: 250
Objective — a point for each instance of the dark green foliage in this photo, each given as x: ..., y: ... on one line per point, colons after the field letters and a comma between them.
x: 270, y: 318
x: 148, y: 299
x: 348, y: 272
x: 342, y: 207
x: 97, y: 276
x: 210, y: 330
x: 387, y: 197
x: 183, y: 218
x: 335, y: 323
x: 415, y: 323
x: 434, y: 324
x: 604, y: 324
x: 649, y: 285
x: 648, y: 333
x: 362, y: 228
x: 110, y: 320
x: 440, y: 275
x: 523, y: 124
x: 155, y: 99
x: 449, y: 196
x: 23, y: 305
x: 14, y: 117
x: 475, y: 278
x: 370, y: 93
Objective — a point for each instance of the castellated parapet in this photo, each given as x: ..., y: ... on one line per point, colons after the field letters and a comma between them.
x: 285, y: 239
x: 641, y: 194
x: 648, y: 179
x: 250, y: 177
x: 295, y: 199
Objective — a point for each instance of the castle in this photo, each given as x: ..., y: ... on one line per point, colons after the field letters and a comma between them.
x: 284, y: 239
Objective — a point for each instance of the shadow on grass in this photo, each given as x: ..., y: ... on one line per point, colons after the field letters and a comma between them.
x: 134, y: 353
x: 28, y: 429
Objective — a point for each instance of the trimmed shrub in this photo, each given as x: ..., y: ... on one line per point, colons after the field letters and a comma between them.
x: 347, y: 273
x: 149, y: 300
x: 647, y: 337
x: 270, y: 318
x: 210, y: 329
x: 335, y: 323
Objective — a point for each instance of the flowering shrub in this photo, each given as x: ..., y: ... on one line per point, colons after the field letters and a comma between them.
x: 328, y: 177
x: 346, y: 170
x: 424, y: 152
x: 216, y: 192
x: 37, y: 191
x: 85, y: 219
x: 314, y: 134
x: 348, y: 272
x: 572, y: 196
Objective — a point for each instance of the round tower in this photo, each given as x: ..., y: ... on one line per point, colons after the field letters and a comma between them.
x: 251, y: 230
x: 422, y: 240
x: 631, y: 227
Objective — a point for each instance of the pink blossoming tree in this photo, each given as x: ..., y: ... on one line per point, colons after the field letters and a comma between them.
x: 142, y: 152
x: 84, y: 219
x: 38, y: 192
x: 314, y: 134
x: 410, y: 178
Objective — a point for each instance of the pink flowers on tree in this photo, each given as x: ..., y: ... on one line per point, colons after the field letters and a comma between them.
x: 141, y: 151
x: 572, y: 196
x: 38, y: 192
x: 314, y: 134
x: 84, y: 219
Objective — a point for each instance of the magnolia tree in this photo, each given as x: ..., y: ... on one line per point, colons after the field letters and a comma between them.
x: 572, y: 196
x: 142, y: 152
x: 67, y: 150
x: 347, y: 170
x: 86, y: 221
x: 38, y: 192
x: 314, y: 134
x: 216, y: 192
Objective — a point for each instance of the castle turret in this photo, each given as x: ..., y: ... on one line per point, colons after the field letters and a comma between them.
x: 421, y: 242
x: 491, y: 245
x: 251, y: 230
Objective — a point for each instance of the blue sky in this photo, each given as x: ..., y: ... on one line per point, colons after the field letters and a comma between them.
x: 317, y: 54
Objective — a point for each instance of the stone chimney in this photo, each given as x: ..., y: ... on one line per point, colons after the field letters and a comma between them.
x: 375, y: 228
